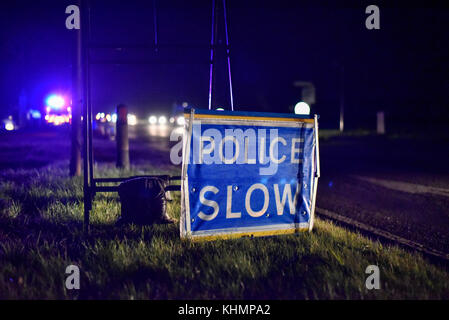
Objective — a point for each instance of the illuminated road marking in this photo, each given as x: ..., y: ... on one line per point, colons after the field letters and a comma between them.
x: 406, y: 187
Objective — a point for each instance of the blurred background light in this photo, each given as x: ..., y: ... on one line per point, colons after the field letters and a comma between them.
x: 181, y: 121
x: 162, y: 120
x: 9, y: 126
x: 152, y: 120
x: 55, y: 101
x: 35, y: 114
x: 302, y: 108
x: 132, y: 119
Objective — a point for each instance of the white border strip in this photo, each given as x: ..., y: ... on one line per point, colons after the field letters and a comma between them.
x: 184, y: 224
x: 251, y: 122
x: 317, y: 175
x: 272, y: 227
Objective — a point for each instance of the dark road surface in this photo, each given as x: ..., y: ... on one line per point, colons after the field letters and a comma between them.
x: 397, y: 185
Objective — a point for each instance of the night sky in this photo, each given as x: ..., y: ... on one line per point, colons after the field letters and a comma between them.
x: 401, y: 68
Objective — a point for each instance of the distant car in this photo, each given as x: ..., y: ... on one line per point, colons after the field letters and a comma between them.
x: 58, y: 117
x: 159, y: 120
x: 57, y: 111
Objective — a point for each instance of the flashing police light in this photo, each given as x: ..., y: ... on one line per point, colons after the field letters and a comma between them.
x: 55, y: 102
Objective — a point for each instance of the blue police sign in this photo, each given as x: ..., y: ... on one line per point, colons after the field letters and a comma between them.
x: 248, y: 173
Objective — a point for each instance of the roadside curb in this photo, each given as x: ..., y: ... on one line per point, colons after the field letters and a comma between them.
x: 382, y: 234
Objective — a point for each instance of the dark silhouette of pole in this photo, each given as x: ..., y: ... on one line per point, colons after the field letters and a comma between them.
x: 228, y: 56
x: 342, y: 98
x: 77, y: 104
x: 212, y: 44
x: 122, y: 137
x: 87, y: 123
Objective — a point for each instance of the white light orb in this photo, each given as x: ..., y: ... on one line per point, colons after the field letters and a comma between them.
x: 181, y: 121
x: 162, y: 120
x: 302, y: 108
x: 9, y: 126
x: 132, y: 119
x: 152, y: 120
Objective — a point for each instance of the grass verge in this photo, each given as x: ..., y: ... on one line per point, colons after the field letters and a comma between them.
x: 41, y: 234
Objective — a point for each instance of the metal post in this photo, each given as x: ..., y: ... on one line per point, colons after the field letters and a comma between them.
x: 342, y: 98
x: 227, y: 54
x: 155, y: 26
x: 122, y: 137
x: 86, y: 122
x: 77, y: 104
x: 212, y: 44
x: 89, y: 103
x: 380, y: 122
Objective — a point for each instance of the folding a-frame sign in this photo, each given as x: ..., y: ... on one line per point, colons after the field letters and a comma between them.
x: 248, y: 174
x: 243, y: 173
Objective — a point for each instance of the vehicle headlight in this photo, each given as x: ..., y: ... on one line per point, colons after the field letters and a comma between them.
x: 152, y: 120
x: 181, y: 121
x: 162, y: 120
x: 132, y: 119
